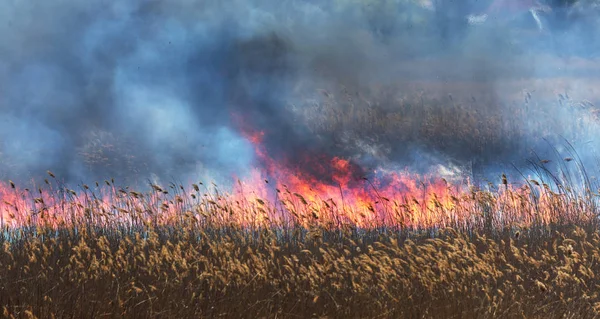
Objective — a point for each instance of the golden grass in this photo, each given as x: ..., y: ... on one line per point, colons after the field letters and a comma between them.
x: 197, y: 263
x: 188, y: 252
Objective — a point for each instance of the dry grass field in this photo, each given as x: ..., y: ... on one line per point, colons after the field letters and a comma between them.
x: 416, y: 247
x: 175, y: 252
x: 298, y: 159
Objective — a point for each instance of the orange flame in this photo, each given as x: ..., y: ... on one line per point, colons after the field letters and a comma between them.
x: 324, y: 179
x: 315, y: 189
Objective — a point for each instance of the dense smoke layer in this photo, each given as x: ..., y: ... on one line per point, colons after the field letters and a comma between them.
x: 136, y: 89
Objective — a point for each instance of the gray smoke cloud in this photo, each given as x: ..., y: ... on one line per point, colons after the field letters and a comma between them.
x: 133, y: 89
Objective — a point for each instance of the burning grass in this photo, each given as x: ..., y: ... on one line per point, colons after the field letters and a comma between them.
x: 316, y: 233
x: 189, y: 252
x: 321, y: 231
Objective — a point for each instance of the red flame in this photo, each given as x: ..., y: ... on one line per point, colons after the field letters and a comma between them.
x: 306, y: 189
x: 320, y: 178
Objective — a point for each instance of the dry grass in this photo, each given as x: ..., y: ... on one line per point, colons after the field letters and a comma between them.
x: 433, y: 252
x: 168, y: 254
x: 527, y: 251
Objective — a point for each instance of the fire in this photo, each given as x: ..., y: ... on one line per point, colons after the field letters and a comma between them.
x: 51, y: 207
x: 306, y: 188
x: 320, y: 188
x: 318, y: 179
x: 398, y: 201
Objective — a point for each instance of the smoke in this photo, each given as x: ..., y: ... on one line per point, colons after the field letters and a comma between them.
x: 133, y: 89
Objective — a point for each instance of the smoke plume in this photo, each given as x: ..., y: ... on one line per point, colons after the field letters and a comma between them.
x: 135, y: 89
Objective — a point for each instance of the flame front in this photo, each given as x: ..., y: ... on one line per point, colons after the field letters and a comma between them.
x: 308, y: 189
x: 337, y: 190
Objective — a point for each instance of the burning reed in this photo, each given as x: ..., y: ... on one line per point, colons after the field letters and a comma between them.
x: 105, y: 251
x: 399, y: 201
